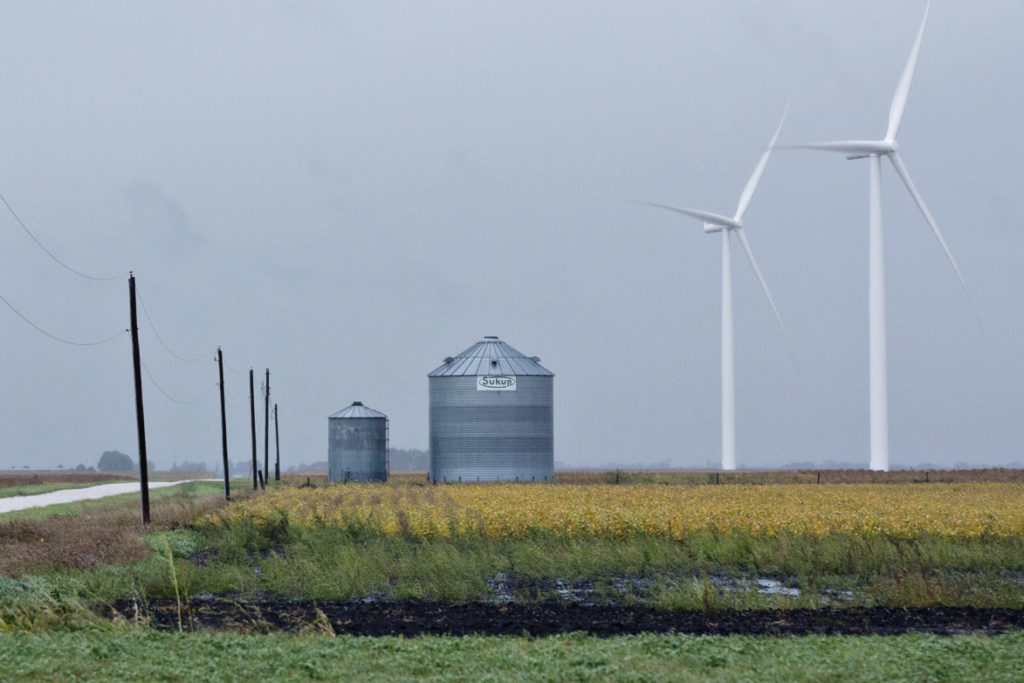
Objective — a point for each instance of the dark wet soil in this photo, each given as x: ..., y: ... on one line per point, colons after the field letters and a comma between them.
x: 417, y: 617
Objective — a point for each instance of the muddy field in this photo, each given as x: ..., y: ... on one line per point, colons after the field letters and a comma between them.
x: 416, y: 617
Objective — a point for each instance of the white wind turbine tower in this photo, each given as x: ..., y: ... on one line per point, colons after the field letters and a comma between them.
x: 716, y: 223
x: 874, y: 150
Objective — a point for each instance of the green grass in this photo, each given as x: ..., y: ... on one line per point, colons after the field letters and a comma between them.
x: 338, y: 564
x: 129, y: 654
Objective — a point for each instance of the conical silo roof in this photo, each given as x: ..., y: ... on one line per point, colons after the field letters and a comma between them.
x: 491, y: 356
x: 356, y: 410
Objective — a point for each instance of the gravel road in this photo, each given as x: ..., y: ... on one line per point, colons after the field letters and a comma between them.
x: 13, y: 503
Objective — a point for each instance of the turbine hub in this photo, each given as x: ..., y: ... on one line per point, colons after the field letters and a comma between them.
x: 884, y: 147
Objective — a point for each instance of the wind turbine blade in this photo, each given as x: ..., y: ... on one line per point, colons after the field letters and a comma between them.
x: 695, y: 213
x: 764, y: 285
x: 899, y: 100
x: 755, y: 177
x: 901, y: 171
x: 844, y: 146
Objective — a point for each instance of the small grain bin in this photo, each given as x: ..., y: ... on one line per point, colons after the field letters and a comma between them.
x: 357, y: 444
x: 491, y: 416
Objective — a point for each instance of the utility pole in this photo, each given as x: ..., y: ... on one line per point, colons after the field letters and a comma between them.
x: 139, y: 416
x: 223, y: 424
x: 266, y: 428
x: 277, y: 446
x: 252, y: 413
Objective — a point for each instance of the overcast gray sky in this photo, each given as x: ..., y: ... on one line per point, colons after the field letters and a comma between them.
x: 349, y: 192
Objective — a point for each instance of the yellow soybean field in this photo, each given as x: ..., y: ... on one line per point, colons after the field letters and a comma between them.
x: 965, y: 510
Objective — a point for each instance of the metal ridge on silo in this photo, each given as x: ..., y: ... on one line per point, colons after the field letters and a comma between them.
x: 491, y: 356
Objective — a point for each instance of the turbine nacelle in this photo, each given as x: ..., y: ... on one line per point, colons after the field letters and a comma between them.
x: 712, y: 227
x: 871, y: 148
x: 854, y: 149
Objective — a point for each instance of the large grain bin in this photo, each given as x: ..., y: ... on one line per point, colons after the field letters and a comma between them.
x: 357, y: 444
x: 491, y: 416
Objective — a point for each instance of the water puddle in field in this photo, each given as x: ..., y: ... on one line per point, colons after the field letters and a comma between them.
x: 763, y: 585
x: 507, y: 587
x: 1015, y: 577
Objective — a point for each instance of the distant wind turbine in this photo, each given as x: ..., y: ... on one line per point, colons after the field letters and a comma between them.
x: 717, y: 223
x: 874, y: 150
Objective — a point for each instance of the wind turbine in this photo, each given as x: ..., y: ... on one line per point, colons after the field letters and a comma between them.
x: 714, y: 222
x: 874, y: 150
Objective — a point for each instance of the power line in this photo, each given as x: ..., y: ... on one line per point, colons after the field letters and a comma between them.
x: 53, y: 336
x: 231, y: 368
x: 197, y: 399
x: 50, y: 253
x: 163, y: 343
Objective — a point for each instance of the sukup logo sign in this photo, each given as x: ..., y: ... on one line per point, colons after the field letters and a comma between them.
x: 495, y: 383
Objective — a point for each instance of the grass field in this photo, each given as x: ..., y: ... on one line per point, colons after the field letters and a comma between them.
x: 147, y: 655
x: 899, y: 544
x: 675, y: 546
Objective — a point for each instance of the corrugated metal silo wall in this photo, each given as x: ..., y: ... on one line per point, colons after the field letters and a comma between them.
x: 357, y: 449
x: 491, y: 435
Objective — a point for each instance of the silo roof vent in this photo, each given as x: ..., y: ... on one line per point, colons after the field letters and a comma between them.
x: 491, y: 356
x: 358, y: 410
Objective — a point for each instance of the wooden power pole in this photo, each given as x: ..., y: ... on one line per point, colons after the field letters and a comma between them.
x: 139, y: 416
x: 223, y: 424
x: 277, y: 447
x: 266, y: 428
x: 252, y: 413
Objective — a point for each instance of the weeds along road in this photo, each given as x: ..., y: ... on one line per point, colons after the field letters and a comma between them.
x: 74, y: 495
